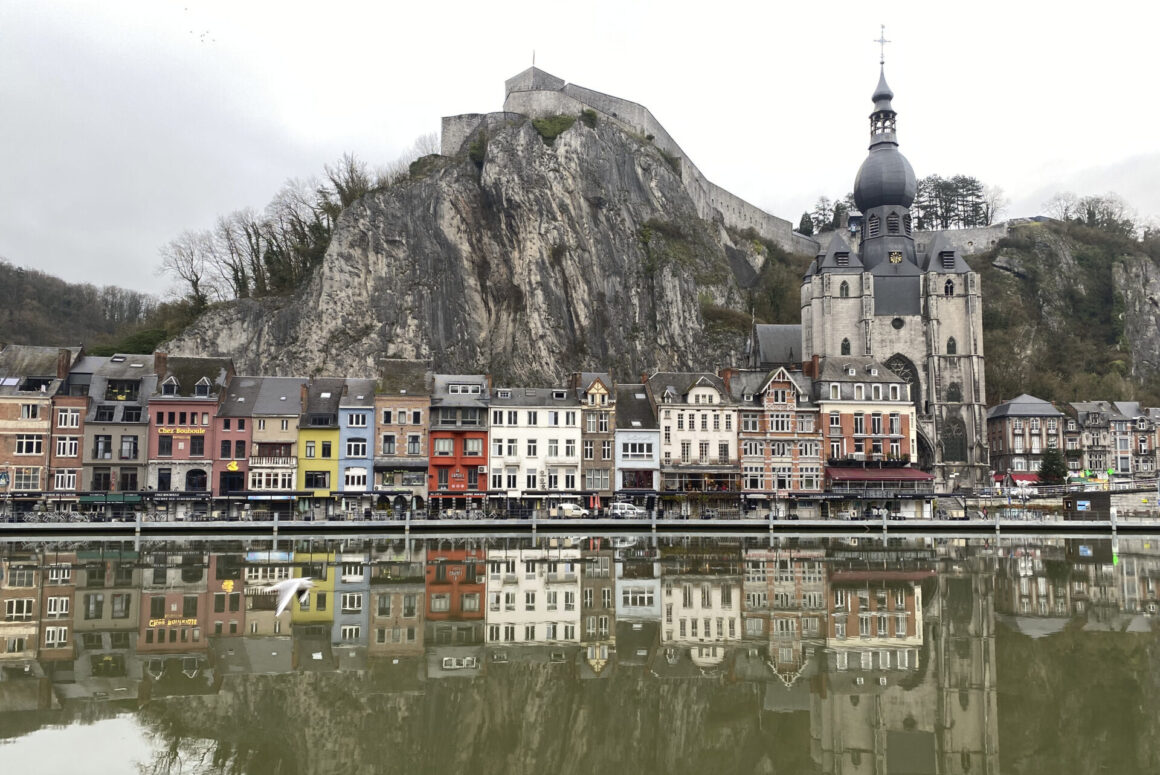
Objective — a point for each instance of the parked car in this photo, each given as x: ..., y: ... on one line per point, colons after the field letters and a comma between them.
x: 623, y: 510
x: 570, y: 511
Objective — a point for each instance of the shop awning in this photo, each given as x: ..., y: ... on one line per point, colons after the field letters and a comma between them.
x: 111, y: 497
x: 877, y: 475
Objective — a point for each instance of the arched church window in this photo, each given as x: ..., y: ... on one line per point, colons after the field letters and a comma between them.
x: 954, y: 440
x: 845, y: 347
x: 892, y: 223
x: 952, y: 346
x: 949, y: 288
x: 954, y: 393
x: 872, y: 226
x: 906, y: 223
x: 844, y: 289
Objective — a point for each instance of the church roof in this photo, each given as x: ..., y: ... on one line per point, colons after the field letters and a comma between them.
x: 942, y: 257
x: 839, y: 257
x: 777, y: 344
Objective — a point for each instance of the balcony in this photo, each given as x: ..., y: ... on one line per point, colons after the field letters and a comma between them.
x: 273, y: 461
x: 561, y: 578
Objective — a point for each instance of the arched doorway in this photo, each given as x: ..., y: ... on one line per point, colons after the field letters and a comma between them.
x: 195, y: 479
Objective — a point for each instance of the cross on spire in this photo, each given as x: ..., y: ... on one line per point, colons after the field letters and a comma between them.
x: 882, y: 41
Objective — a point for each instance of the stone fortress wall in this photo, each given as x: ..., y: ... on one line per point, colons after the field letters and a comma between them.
x: 965, y: 241
x: 538, y: 94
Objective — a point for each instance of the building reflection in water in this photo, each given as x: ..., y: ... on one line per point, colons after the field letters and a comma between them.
x: 880, y: 654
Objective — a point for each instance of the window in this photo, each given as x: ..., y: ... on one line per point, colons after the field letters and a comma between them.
x: 68, y: 418
x: 317, y: 480
x: 352, y: 602
x: 29, y: 411
x: 68, y: 446
x: 355, y: 478
x: 128, y: 448
x: 356, y: 448
x: 640, y: 450
x: 29, y: 444
x: 65, y: 479
x: 388, y: 444
x: 952, y: 346
x: 356, y: 420
x: 444, y: 446
x: 844, y: 289
x: 845, y: 347
x: 413, y: 446
x: 55, y: 637
x: 18, y: 610
x: 326, y: 449
x: 350, y: 632
x: 606, y: 449
x: 589, y: 448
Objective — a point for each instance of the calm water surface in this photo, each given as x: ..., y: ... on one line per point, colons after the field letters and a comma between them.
x: 582, y: 654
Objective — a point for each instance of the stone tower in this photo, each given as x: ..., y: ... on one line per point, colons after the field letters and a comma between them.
x: 915, y: 308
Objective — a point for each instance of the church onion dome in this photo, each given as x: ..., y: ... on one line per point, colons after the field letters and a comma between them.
x: 886, y: 177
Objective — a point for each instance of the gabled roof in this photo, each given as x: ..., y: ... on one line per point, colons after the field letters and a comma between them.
x: 1024, y: 406
x: 359, y: 393
x: 22, y: 360
x: 776, y: 344
x: 836, y: 368
x: 187, y: 371
x: 942, y: 257
x: 679, y: 383
x: 839, y: 257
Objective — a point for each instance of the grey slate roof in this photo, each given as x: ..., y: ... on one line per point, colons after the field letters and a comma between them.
x: 1024, y: 406
x: 775, y: 345
x: 359, y: 392
x: 19, y: 363
x: 683, y: 381
x: 836, y: 369
x: 584, y: 380
x: 442, y: 397
x: 263, y: 396
x: 188, y: 371
x: 521, y: 396
x: 829, y: 260
x: 942, y: 257
x: 630, y: 408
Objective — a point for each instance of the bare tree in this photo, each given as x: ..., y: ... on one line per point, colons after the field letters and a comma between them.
x: 994, y: 203
x: 425, y: 145
x: 1062, y: 206
x: 184, y: 258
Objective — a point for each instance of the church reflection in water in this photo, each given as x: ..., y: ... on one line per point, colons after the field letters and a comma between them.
x: 821, y: 654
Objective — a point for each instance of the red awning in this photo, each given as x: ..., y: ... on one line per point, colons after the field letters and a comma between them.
x: 1027, y: 478
x: 877, y: 475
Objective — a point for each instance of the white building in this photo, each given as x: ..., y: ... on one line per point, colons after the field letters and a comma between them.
x: 533, y: 595
x: 535, y: 446
x: 638, y: 446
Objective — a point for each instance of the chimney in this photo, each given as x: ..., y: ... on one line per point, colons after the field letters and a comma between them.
x: 303, y: 398
x: 160, y: 364
x: 810, y: 368
x: 727, y: 374
x: 63, y: 362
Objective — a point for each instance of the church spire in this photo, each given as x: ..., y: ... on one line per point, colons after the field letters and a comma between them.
x: 883, y: 119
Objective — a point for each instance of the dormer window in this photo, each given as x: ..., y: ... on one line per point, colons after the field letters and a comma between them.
x: 851, y: 372
x: 503, y: 393
x: 169, y: 387
x: 834, y: 391
x: 947, y: 259
x: 859, y: 392
x: 201, y: 389
x: 842, y: 259
x: 559, y: 395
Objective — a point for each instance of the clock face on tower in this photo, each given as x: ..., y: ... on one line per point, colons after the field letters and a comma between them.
x: 896, y: 256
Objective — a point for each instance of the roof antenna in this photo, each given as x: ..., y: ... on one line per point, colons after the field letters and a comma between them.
x: 882, y: 41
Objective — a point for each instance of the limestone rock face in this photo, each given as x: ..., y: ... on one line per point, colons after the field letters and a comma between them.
x: 546, y: 258
x: 1137, y: 281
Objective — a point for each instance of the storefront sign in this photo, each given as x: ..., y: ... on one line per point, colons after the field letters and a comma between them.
x: 165, y: 431
x: 172, y: 622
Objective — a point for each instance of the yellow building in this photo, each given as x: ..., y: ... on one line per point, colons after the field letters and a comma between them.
x: 319, y: 567
x: 318, y: 439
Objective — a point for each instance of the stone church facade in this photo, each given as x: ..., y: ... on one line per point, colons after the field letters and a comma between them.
x: 919, y: 313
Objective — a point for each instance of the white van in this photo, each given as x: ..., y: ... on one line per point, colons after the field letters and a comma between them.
x: 569, y: 510
x: 622, y: 510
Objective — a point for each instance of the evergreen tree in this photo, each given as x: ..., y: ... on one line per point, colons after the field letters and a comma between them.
x: 806, y: 225
x: 1052, y: 468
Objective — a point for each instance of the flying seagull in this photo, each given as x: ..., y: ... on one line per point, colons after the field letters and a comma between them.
x: 290, y: 588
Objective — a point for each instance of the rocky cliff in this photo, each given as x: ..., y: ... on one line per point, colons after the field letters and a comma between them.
x: 526, y: 257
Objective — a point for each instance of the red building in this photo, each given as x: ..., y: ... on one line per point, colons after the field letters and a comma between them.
x: 455, y: 586
x: 457, y: 468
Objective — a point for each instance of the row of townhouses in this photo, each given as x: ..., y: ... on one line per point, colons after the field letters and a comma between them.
x: 184, y: 437
x: 1098, y: 439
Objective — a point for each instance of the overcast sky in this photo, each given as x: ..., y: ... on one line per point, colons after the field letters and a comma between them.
x: 123, y: 124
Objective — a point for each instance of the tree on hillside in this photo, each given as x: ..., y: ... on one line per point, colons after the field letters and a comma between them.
x: 1052, y: 468
x: 806, y: 225
x: 822, y: 214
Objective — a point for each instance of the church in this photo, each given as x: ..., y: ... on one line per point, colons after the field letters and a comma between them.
x: 913, y: 306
